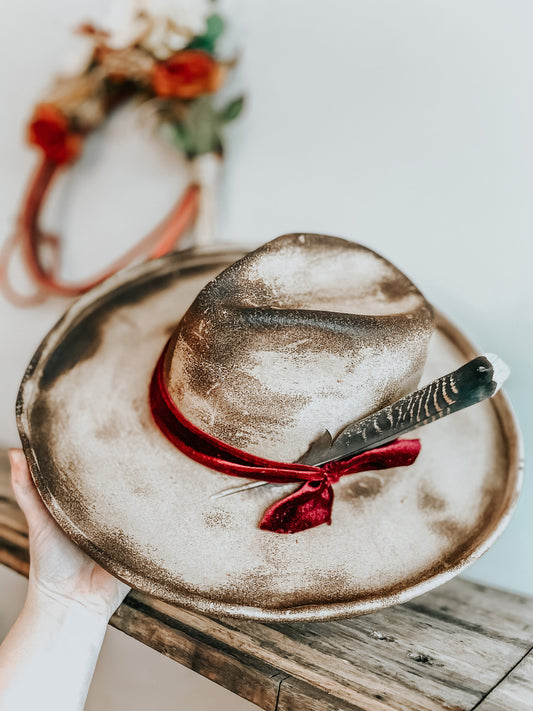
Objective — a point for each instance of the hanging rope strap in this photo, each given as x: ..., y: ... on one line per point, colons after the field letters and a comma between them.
x: 30, y: 241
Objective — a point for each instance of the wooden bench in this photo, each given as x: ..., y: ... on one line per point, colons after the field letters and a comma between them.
x: 462, y: 646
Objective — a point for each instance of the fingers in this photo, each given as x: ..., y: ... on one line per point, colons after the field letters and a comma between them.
x: 25, y: 493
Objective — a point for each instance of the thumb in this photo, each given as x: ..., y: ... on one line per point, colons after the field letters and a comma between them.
x: 24, y: 489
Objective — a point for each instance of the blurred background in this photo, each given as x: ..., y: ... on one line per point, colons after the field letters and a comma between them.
x: 405, y: 126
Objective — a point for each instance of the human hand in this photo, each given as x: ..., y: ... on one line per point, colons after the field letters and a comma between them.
x: 60, y: 570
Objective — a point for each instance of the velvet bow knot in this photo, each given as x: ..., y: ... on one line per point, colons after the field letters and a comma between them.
x: 311, y: 504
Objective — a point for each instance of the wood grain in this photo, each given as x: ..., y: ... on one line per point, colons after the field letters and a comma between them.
x: 515, y: 692
x: 461, y: 646
x: 295, y: 695
x: 241, y: 673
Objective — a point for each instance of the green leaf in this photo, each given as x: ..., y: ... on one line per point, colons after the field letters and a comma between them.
x: 215, y: 27
x: 199, y: 128
x: 231, y: 110
x: 207, y: 41
x: 201, y: 124
x: 204, y: 42
x: 179, y: 136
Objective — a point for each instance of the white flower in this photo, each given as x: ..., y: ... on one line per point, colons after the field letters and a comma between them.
x: 160, y: 26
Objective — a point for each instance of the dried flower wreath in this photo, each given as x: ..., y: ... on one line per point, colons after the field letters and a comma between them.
x: 164, y: 55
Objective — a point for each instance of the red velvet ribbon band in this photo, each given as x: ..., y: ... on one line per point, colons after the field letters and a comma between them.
x: 308, y: 506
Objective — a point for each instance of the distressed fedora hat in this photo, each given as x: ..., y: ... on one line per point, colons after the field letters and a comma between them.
x: 229, y: 432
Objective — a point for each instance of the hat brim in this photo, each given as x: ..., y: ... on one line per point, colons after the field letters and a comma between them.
x: 144, y: 511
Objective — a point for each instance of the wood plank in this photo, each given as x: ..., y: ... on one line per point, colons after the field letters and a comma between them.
x: 499, y: 613
x: 13, y: 555
x: 445, y: 650
x: 295, y: 695
x: 238, y: 672
x: 253, y: 638
x: 408, y: 659
x: 515, y: 692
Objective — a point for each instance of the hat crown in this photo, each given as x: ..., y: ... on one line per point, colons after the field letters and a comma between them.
x: 307, y: 333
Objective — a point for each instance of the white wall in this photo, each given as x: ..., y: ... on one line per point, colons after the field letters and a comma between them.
x: 405, y: 125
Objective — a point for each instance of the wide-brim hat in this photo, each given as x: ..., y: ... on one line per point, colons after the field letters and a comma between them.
x: 145, y: 510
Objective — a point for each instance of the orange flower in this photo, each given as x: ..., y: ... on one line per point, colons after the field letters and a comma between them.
x: 49, y: 130
x: 186, y: 75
